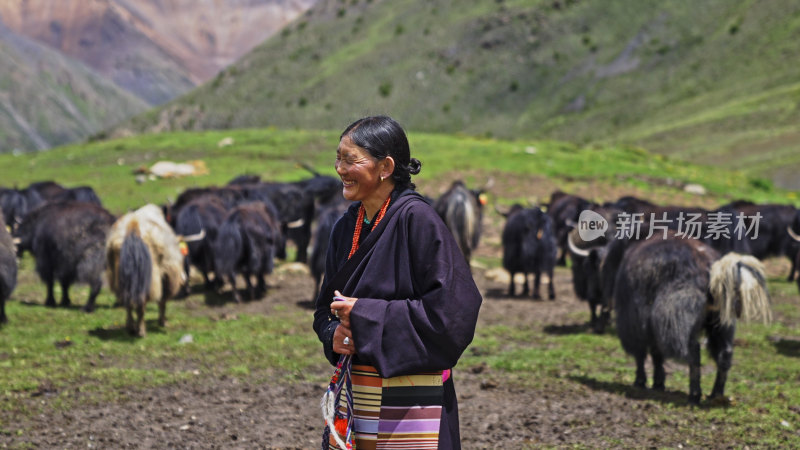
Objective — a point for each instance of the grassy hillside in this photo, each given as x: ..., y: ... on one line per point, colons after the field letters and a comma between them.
x: 706, y: 80
x: 109, y: 166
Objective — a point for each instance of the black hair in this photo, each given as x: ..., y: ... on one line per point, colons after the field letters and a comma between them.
x: 382, y: 136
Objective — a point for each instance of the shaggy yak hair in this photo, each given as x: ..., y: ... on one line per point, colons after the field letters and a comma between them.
x: 145, y: 264
x: 668, y: 291
x: 68, y: 241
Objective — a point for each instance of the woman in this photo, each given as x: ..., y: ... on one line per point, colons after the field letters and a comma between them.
x: 408, y: 303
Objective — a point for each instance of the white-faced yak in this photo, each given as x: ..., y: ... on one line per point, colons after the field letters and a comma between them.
x: 144, y: 263
x: 668, y: 291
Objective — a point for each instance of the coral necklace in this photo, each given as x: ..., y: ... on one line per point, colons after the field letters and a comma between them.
x: 360, y: 222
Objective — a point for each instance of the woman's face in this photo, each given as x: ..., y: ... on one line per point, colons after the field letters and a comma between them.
x: 359, y: 171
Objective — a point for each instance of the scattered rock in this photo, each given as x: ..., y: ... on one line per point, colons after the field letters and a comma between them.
x: 489, y: 384
x: 695, y: 189
x: 63, y: 343
x: 293, y: 268
x: 479, y: 368
x: 498, y: 274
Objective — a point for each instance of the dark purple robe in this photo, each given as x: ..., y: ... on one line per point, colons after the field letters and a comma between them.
x: 417, y: 302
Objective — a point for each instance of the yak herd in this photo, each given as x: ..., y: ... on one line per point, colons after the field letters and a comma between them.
x: 694, y: 274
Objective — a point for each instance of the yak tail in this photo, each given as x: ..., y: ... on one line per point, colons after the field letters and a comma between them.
x: 739, y: 289
x: 228, y: 247
x: 462, y: 212
x: 135, y: 268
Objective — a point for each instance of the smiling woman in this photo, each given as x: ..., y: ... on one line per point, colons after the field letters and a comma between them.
x: 409, y: 306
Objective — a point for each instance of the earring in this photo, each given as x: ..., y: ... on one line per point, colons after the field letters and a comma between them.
x: 381, y: 178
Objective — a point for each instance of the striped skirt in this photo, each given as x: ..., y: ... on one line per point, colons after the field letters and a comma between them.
x: 396, y: 413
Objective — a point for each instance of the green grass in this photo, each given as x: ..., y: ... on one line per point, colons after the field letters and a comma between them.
x: 108, y: 166
x: 62, y: 346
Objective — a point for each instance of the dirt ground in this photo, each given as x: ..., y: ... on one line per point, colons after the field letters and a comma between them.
x: 494, y: 411
x: 227, y: 413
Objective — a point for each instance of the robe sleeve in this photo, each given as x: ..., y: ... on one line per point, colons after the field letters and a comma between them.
x: 430, y: 331
x: 325, y: 323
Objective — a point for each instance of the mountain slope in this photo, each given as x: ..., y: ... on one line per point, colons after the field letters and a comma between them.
x: 155, y: 49
x: 704, y: 80
x: 47, y: 99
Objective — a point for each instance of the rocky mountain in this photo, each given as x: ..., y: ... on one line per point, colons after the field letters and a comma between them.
x: 47, y: 98
x: 155, y: 49
x: 70, y: 68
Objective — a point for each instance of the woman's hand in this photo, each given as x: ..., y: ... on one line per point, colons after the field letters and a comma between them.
x: 342, y: 308
x: 339, y: 335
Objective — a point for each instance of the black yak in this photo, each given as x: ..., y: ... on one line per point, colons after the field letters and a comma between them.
x: 16, y: 204
x: 773, y: 220
x: 795, y: 237
x: 529, y: 246
x: 202, y: 218
x: 295, y: 208
x: 328, y: 214
x: 564, y: 210
x: 48, y: 190
x: 668, y: 291
x: 246, y: 245
x: 78, y: 194
x: 230, y: 196
x: 295, y: 203
x: 8, y: 269
x: 144, y: 263
x: 461, y: 209
x: 67, y: 240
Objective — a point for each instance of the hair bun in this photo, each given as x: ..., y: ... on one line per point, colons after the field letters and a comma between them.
x: 414, y: 166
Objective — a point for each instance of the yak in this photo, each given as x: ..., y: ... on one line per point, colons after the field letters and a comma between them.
x: 564, y: 210
x: 144, y: 263
x: 16, y: 204
x: 201, y: 218
x: 78, y: 194
x: 48, y: 190
x: 668, y: 291
x: 327, y: 215
x: 246, y: 244
x: 773, y: 221
x: 294, y: 208
x: 8, y: 269
x: 67, y: 241
x: 529, y: 246
x: 461, y: 209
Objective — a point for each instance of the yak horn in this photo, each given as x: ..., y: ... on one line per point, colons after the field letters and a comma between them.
x: 308, y: 168
x: 574, y: 248
x: 504, y: 214
x: 296, y: 223
x: 193, y: 237
x: 793, y: 234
